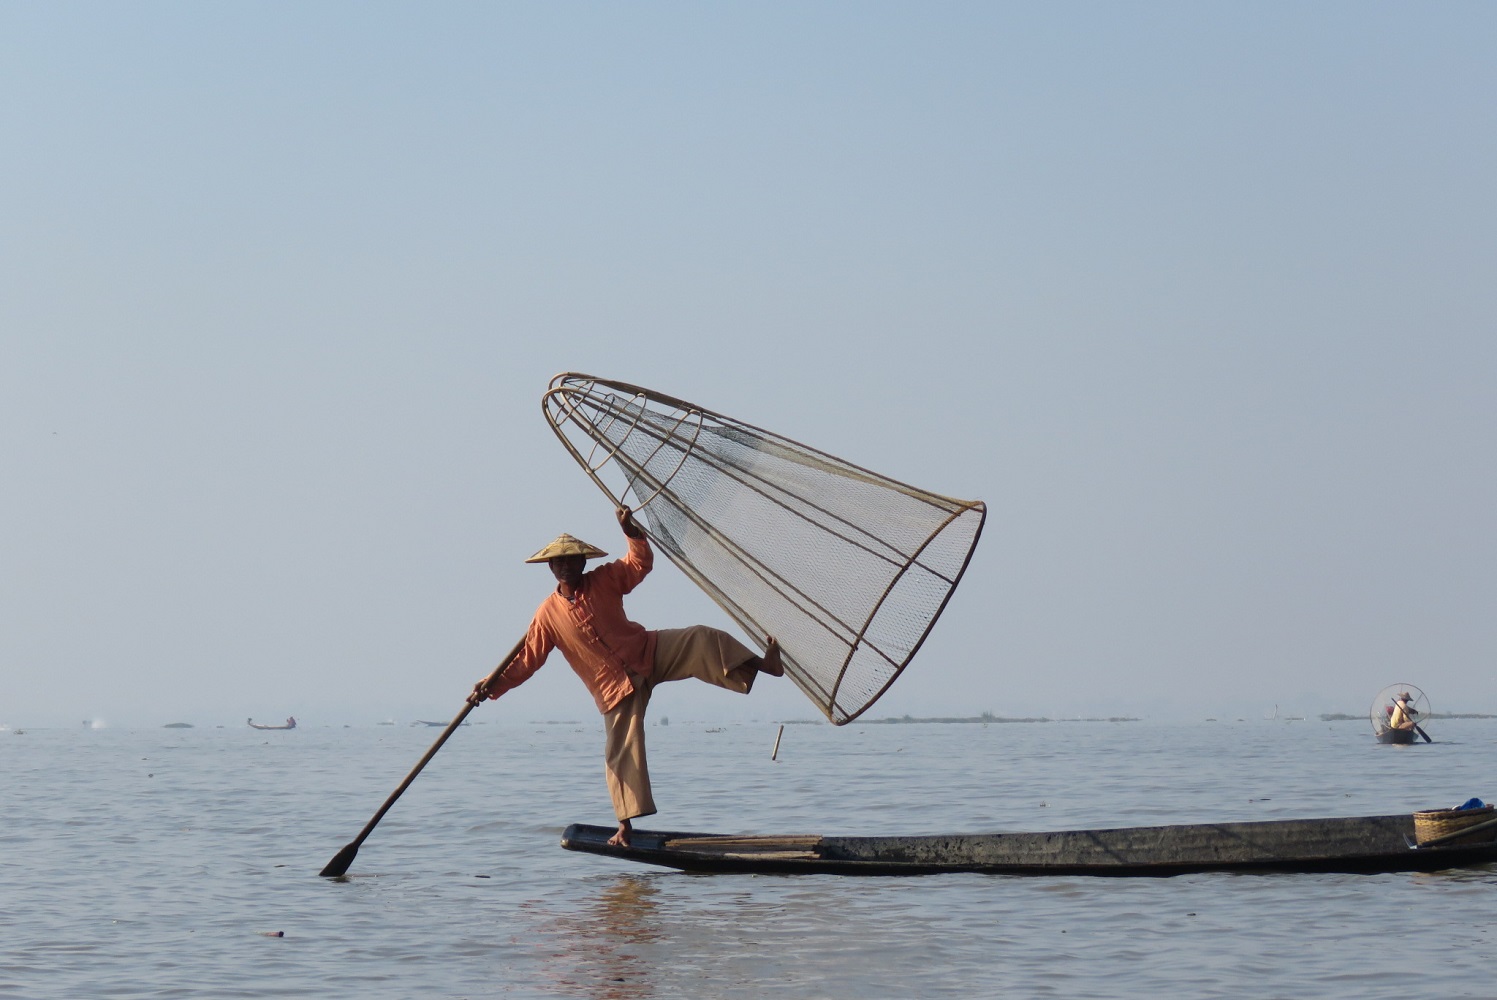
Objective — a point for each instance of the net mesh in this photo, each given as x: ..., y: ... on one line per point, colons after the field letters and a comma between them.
x: 846, y: 568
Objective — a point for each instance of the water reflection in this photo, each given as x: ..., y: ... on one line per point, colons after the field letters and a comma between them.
x: 610, y: 948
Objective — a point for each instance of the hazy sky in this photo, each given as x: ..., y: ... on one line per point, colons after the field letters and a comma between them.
x: 1199, y: 297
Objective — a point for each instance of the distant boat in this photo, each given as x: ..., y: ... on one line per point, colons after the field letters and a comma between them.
x: 290, y: 724
x: 177, y: 725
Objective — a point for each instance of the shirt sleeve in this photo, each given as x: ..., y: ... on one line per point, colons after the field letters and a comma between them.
x: 626, y: 573
x: 532, y: 655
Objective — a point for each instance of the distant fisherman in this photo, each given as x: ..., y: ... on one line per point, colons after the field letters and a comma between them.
x: 1403, y: 713
x: 619, y: 660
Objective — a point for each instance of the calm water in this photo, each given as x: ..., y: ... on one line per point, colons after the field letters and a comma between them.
x: 156, y: 863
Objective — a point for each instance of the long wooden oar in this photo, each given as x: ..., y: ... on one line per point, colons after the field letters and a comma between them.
x: 1422, y: 733
x: 341, y: 861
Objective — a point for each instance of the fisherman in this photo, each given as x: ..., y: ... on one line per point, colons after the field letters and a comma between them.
x: 1402, y: 714
x: 619, y: 660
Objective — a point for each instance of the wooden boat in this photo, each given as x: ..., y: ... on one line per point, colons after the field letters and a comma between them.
x: 1402, y: 737
x: 1358, y: 844
x: 290, y: 724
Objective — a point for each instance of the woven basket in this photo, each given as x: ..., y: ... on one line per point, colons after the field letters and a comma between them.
x: 1434, y: 823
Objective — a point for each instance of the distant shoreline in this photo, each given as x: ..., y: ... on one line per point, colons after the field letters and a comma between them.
x: 1341, y: 717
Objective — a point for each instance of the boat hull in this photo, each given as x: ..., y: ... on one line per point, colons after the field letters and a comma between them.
x: 1401, y: 737
x: 1367, y: 844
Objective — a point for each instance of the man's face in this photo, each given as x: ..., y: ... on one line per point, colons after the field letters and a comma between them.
x: 567, y: 569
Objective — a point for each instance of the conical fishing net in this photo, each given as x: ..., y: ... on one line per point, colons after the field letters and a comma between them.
x: 848, y: 569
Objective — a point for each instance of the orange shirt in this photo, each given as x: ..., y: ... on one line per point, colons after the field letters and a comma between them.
x: 603, y: 646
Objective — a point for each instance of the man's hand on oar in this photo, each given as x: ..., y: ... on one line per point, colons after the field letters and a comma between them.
x: 480, y: 692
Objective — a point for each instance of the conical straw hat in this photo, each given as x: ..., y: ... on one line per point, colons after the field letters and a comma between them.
x: 566, y: 545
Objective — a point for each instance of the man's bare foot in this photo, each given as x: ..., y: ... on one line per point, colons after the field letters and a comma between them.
x: 770, y: 663
x: 621, y: 839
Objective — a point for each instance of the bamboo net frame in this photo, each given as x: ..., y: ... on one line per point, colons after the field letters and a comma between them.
x: 848, y: 569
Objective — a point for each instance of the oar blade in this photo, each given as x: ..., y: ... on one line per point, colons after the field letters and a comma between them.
x: 341, y: 862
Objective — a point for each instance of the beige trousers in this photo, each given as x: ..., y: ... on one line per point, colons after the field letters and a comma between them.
x: 704, y: 653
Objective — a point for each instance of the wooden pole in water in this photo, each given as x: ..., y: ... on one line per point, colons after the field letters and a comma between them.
x: 776, y: 753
